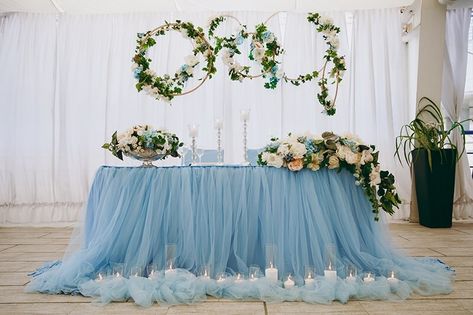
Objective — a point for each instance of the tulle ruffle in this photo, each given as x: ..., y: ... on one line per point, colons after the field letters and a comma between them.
x: 223, y: 217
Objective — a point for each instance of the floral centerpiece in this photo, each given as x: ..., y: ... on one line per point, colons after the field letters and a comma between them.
x: 144, y: 143
x: 336, y: 153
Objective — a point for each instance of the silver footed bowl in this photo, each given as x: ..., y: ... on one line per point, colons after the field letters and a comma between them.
x: 147, y: 157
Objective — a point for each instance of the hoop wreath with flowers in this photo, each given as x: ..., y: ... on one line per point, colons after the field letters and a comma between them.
x: 264, y: 50
x: 166, y: 87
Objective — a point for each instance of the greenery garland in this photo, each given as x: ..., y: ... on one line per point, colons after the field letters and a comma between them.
x: 166, y: 87
x: 336, y: 153
x: 265, y: 49
x: 330, y: 33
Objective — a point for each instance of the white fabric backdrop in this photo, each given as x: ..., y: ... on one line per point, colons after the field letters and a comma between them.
x: 66, y: 85
x: 453, y: 90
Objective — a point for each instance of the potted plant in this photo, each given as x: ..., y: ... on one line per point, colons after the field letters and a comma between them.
x: 426, y: 145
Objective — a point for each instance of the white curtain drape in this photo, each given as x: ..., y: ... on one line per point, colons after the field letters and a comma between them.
x: 453, y: 89
x: 66, y: 86
x: 379, y: 90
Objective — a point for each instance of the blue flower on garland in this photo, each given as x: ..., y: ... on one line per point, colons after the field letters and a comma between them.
x: 137, y: 71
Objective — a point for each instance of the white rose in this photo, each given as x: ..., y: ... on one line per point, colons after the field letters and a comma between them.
x: 227, y: 58
x: 342, y: 151
x: 324, y: 20
x: 298, y: 150
x: 237, y: 67
x: 353, y: 158
x: 134, y: 66
x: 375, y: 176
x: 258, y: 54
x: 274, y: 160
x: 191, y: 60
x: 189, y: 71
x: 184, y: 33
x: 150, y: 72
x: 265, y: 156
x: 334, y: 41
x: 283, y: 149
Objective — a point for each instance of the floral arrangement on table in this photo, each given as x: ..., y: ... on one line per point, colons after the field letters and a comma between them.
x: 336, y: 153
x: 166, y: 87
x: 264, y: 50
x: 144, y: 143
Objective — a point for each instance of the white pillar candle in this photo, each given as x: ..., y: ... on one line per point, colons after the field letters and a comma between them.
x: 271, y: 273
x: 392, y: 279
x: 99, y: 278
x: 218, y: 123
x: 239, y: 278
x: 245, y: 114
x: 193, y: 131
x: 330, y: 274
x: 289, y: 283
x: 170, y: 270
x: 369, y: 278
x: 351, y: 278
x: 309, y: 280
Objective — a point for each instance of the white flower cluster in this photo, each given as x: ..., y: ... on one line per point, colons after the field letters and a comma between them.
x: 289, y: 149
x: 229, y: 60
x: 139, y: 139
x: 331, y: 34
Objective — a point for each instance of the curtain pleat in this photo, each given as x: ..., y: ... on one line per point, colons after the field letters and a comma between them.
x: 66, y: 85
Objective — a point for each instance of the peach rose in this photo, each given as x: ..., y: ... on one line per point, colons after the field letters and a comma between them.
x: 295, y: 165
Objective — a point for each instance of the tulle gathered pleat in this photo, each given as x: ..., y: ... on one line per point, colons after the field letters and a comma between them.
x: 223, y: 217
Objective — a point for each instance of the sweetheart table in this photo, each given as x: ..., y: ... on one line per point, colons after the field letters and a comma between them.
x: 223, y: 217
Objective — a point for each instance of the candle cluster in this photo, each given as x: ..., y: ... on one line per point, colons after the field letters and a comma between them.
x: 218, y: 125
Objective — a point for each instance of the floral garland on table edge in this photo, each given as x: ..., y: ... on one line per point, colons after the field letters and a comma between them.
x: 337, y: 153
x: 144, y: 140
x: 166, y: 87
x: 265, y: 49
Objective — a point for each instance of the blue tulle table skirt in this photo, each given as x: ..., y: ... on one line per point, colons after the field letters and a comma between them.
x: 223, y: 218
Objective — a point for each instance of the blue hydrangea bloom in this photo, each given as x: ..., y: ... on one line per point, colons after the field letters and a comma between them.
x: 137, y: 71
x: 239, y: 39
x: 266, y: 35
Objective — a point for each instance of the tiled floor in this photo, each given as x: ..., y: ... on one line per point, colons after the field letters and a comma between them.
x: 24, y: 249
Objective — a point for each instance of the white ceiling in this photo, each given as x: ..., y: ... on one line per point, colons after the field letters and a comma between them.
x: 125, y: 6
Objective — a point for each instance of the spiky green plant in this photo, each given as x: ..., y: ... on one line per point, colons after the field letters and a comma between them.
x: 427, y: 131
